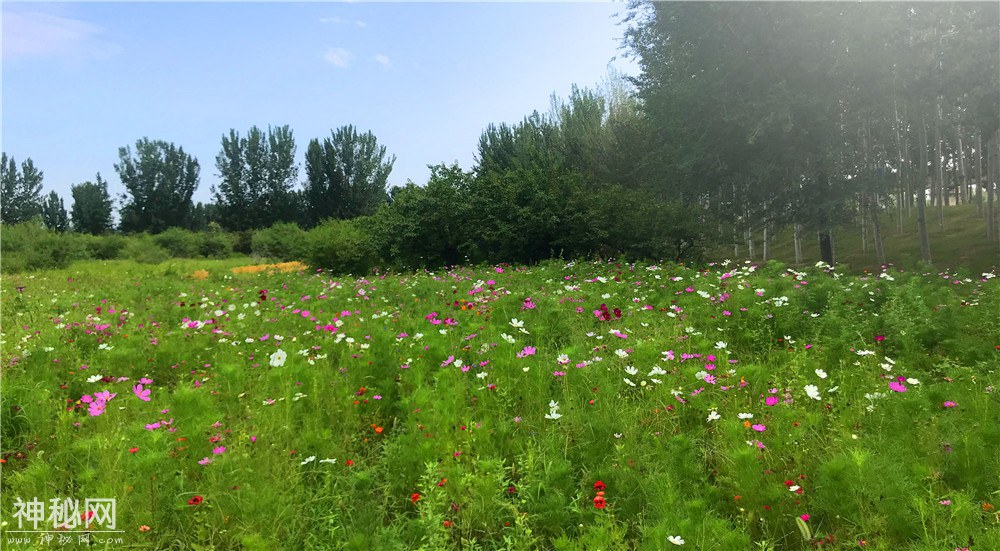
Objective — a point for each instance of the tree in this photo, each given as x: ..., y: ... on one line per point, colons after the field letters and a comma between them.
x: 347, y: 175
x: 258, y: 172
x: 159, y: 180
x: 92, y: 206
x: 21, y: 190
x: 54, y: 213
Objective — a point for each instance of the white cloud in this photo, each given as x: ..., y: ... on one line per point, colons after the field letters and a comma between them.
x: 36, y: 34
x: 361, y: 23
x: 383, y: 59
x: 339, y: 57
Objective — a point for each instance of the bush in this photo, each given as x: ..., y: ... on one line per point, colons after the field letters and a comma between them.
x: 342, y: 246
x: 30, y: 246
x: 215, y: 245
x: 103, y: 247
x: 179, y: 243
x: 144, y: 250
x: 282, y: 241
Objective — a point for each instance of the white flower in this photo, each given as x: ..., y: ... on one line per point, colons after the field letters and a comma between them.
x: 516, y: 323
x: 95, y: 378
x: 913, y: 381
x: 821, y: 374
x: 553, y: 415
x: 794, y: 488
x: 621, y: 353
x: 507, y: 338
x: 745, y: 416
x: 278, y: 358
x: 713, y: 416
x: 309, y: 459
x: 813, y: 392
x: 631, y: 370
x: 676, y: 540
x: 720, y: 345
x: 865, y: 353
x: 482, y: 374
x: 331, y: 461
x: 629, y: 382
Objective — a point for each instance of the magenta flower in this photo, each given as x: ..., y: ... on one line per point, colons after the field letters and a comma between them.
x: 896, y: 386
x: 96, y: 408
x: 153, y: 426
x: 949, y: 404
x: 759, y: 428
x: 219, y: 451
x: 771, y: 400
x: 527, y: 351
x: 204, y: 461
x: 141, y: 393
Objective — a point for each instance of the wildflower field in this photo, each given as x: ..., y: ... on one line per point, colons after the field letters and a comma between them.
x: 560, y: 406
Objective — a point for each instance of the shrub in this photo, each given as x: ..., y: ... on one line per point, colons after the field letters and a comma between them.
x: 342, y: 246
x: 179, y: 243
x: 282, y: 241
x: 215, y: 245
x: 144, y: 250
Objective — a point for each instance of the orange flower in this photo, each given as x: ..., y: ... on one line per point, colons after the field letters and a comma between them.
x: 144, y: 528
x: 378, y: 430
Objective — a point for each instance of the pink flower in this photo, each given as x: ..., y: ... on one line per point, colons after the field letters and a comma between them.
x: 141, y: 393
x: 153, y: 426
x: 949, y: 404
x: 771, y: 400
x: 805, y: 517
x: 896, y: 386
x: 945, y: 502
x: 204, y: 461
x: 219, y: 451
x: 96, y: 408
x: 759, y: 428
x: 527, y: 351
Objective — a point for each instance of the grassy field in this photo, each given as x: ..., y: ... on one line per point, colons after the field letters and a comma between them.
x: 561, y: 406
x: 960, y: 243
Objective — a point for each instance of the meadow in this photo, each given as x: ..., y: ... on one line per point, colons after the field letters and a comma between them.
x: 565, y: 406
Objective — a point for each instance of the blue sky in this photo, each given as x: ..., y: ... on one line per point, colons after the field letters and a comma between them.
x: 81, y: 80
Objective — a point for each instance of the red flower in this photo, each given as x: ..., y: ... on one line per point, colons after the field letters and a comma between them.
x: 599, y: 486
x: 196, y: 500
x: 349, y: 462
x: 599, y: 502
x: 415, y: 497
x: 133, y: 450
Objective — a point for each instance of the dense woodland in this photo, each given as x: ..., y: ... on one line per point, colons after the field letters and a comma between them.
x: 746, y: 120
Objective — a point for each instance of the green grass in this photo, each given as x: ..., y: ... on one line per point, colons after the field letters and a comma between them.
x: 429, y: 432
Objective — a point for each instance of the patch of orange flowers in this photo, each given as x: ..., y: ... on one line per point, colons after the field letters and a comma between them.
x: 280, y: 267
x: 200, y: 274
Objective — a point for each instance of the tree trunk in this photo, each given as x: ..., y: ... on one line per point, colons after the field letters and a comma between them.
x: 826, y: 247
x: 864, y: 222
x: 765, y: 247
x: 902, y: 196
x: 964, y: 180
x: 942, y: 196
x: 991, y: 170
x: 797, y: 238
x: 922, y: 177
x: 979, y: 168
x: 877, y: 232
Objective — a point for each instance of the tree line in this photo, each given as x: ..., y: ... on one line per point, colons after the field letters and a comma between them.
x: 346, y: 175
x: 746, y: 119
